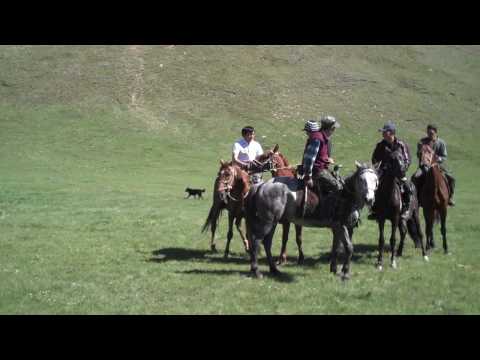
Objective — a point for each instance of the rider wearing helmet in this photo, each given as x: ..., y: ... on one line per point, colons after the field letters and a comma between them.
x: 317, y: 155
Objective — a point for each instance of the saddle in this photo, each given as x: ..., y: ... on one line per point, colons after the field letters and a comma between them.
x: 310, y: 199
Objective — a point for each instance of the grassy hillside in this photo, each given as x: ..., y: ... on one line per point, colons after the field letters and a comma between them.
x: 99, y: 142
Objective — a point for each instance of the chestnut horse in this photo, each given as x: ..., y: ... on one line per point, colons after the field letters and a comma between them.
x: 434, y: 194
x: 230, y: 189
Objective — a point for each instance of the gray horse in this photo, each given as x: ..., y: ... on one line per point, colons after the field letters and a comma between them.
x: 279, y: 200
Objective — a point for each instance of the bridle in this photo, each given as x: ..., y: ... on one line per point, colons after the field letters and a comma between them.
x: 357, y: 175
x: 228, y: 185
x: 274, y: 163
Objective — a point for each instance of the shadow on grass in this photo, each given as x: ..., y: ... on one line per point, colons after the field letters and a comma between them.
x: 183, y: 254
x: 282, y: 277
x: 362, y: 253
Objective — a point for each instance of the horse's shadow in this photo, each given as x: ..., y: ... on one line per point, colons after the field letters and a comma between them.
x: 281, y: 277
x: 182, y: 254
x: 362, y: 253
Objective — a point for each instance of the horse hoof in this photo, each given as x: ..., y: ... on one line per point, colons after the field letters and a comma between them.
x: 446, y: 252
x: 257, y: 274
x: 301, y: 260
x: 346, y: 276
x: 213, y: 249
x: 379, y: 267
x: 394, y: 265
x: 426, y: 258
x: 276, y: 272
x: 225, y: 256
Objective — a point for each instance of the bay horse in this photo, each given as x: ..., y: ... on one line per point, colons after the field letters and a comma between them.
x: 434, y: 194
x: 279, y: 200
x: 388, y: 206
x: 229, y: 191
x: 280, y: 168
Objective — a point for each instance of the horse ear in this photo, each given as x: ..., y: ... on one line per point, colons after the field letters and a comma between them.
x: 275, y: 149
x: 222, y: 162
x: 357, y: 164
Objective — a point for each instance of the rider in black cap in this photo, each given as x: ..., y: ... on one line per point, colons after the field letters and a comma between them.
x: 389, y: 144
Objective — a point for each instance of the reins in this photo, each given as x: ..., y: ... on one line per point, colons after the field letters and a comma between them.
x: 229, y: 185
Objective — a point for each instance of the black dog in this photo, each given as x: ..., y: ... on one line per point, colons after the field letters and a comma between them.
x: 194, y: 192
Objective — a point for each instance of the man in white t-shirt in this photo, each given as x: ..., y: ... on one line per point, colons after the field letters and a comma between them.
x: 247, y: 153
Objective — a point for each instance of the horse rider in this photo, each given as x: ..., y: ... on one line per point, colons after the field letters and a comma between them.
x: 380, y: 157
x: 439, y: 148
x: 317, y: 155
x: 246, y: 153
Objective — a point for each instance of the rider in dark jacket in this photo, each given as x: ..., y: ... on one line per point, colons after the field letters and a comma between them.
x: 380, y: 157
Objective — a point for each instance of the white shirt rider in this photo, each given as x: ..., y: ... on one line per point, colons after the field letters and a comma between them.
x: 246, y: 149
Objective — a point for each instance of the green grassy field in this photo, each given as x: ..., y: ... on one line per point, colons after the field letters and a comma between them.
x: 98, y: 144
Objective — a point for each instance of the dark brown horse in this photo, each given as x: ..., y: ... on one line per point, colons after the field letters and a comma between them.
x: 230, y: 189
x: 434, y: 194
x: 388, y: 206
x: 281, y: 167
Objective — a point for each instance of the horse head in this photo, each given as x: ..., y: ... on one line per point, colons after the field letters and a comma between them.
x: 232, y: 182
x: 365, y: 184
x: 396, y: 165
x: 280, y: 165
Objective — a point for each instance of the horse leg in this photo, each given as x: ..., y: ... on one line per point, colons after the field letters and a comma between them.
x: 255, y: 244
x: 347, y: 244
x: 267, y: 244
x: 282, y: 259
x: 238, y: 223
x: 443, y: 229
x: 333, y: 253
x: 428, y: 215
x: 213, y: 247
x: 393, y: 240
x: 403, y: 234
x: 298, y: 238
x: 381, y: 243
x: 229, y: 234
x: 420, y: 236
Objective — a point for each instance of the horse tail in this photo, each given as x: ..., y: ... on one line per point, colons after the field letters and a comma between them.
x: 413, y: 228
x: 213, y: 217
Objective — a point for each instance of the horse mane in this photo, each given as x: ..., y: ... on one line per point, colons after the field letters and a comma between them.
x: 284, y: 159
x: 245, y: 180
x: 427, y: 155
x: 439, y: 184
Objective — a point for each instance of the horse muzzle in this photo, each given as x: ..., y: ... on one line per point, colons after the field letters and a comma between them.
x: 369, y: 201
